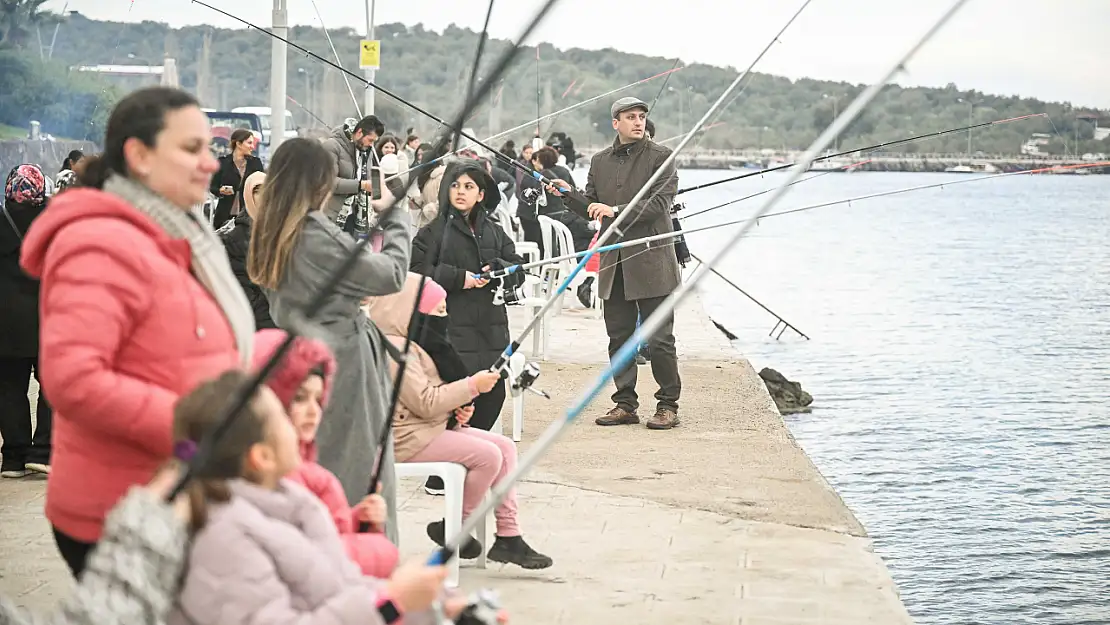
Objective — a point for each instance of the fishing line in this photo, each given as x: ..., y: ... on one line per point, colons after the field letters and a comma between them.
x: 305, y: 109
x: 663, y: 87
x: 338, y: 59
x: 457, y: 127
x: 473, y: 74
x: 748, y: 197
x: 667, y: 167
x: 870, y: 148
x: 674, y: 235
x: 300, y: 322
x: 545, y: 117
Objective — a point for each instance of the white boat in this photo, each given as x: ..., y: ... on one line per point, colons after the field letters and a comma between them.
x: 832, y: 164
x: 973, y: 168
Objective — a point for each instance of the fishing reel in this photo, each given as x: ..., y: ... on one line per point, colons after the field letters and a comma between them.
x: 523, y: 375
x: 677, y: 206
x: 482, y: 609
x: 511, y: 296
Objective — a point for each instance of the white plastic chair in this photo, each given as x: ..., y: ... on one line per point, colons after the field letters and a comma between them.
x: 453, y: 476
x: 516, y: 365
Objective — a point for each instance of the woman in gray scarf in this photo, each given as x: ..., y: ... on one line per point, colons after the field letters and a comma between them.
x: 294, y: 251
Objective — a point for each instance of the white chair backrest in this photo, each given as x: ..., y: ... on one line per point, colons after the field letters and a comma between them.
x: 505, y: 220
x: 566, y: 240
x: 547, y: 235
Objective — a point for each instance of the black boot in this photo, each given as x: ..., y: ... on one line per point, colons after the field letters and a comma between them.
x: 513, y: 550
x: 437, y: 531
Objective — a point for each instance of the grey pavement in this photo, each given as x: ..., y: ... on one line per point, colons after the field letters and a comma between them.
x: 722, y: 520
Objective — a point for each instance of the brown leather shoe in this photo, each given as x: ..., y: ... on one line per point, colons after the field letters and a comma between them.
x: 663, y: 419
x: 618, y: 416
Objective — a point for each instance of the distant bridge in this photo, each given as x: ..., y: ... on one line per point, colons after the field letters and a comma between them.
x: 702, y: 158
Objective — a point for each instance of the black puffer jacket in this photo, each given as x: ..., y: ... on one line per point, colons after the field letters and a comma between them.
x: 479, y: 330
x: 236, y: 236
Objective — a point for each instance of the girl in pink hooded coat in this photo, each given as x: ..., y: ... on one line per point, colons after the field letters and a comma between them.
x: 302, y: 382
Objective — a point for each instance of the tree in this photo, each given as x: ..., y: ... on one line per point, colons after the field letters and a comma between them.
x: 18, y: 19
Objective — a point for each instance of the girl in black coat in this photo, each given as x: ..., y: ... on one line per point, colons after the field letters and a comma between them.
x: 24, y: 200
x: 235, y: 167
x: 473, y: 243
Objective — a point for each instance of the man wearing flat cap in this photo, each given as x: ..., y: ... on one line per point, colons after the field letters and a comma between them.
x: 635, y: 280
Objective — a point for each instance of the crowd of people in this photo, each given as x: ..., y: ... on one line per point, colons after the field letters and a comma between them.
x: 148, y: 319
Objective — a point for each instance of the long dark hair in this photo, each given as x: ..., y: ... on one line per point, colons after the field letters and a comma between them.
x: 140, y: 115
x: 300, y: 179
x: 71, y: 159
x: 240, y: 135
x: 476, y: 172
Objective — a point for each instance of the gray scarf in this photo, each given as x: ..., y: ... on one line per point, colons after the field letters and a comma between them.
x: 209, y: 264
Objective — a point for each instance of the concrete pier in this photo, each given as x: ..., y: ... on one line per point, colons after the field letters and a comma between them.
x: 721, y: 520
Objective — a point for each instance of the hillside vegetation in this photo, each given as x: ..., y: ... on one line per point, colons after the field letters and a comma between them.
x: 431, y: 69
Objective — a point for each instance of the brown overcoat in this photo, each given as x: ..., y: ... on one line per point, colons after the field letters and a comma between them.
x: 616, y: 174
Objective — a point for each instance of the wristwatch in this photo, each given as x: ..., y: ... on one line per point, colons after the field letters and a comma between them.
x: 388, y: 610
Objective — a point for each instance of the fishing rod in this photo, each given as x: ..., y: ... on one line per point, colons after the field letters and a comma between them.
x: 457, y: 128
x: 870, y: 148
x: 666, y: 167
x: 549, y: 115
x: 663, y: 86
x: 748, y: 197
x: 300, y: 323
x: 674, y: 235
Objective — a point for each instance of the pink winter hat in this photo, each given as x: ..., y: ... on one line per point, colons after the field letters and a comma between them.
x: 431, y: 296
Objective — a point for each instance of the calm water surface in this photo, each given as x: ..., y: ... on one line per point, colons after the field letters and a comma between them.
x: 960, y: 360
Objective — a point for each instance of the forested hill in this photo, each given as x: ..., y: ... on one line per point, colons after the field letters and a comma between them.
x: 431, y: 69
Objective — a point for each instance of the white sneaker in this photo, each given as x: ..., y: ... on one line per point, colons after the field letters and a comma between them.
x: 38, y: 467
x: 14, y: 473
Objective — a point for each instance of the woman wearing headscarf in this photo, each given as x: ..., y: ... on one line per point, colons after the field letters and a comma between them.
x: 24, y: 450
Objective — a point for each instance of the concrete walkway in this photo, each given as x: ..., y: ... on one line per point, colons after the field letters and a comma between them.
x: 722, y: 520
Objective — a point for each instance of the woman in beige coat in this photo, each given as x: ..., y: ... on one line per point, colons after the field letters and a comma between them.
x: 420, y: 426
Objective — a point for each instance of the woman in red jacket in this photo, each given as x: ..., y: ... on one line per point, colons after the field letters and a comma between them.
x: 138, y: 304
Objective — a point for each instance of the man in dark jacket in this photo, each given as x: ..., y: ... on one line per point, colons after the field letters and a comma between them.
x: 236, y: 237
x: 640, y: 285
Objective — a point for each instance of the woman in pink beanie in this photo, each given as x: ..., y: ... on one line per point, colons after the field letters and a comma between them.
x: 421, y: 432
x: 302, y: 382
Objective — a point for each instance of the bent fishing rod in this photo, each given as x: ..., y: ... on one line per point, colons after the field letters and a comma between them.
x: 456, y: 128
x: 498, y: 493
x: 674, y: 235
x: 665, y: 168
x: 870, y: 148
x: 301, y: 323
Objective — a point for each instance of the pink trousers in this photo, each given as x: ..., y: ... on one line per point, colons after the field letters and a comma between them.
x: 488, y: 458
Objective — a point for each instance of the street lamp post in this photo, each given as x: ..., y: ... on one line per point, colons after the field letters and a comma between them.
x: 278, y: 67
x: 370, y: 74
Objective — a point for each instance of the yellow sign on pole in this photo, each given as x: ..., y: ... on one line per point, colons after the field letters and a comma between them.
x: 369, y: 54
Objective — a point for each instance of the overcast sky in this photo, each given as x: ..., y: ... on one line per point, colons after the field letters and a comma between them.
x: 1026, y: 47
